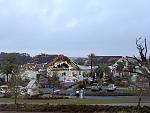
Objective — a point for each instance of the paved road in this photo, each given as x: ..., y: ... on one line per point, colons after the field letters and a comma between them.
x: 117, y: 97
x: 72, y: 91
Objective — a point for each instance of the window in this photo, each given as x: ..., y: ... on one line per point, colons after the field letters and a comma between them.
x: 64, y: 74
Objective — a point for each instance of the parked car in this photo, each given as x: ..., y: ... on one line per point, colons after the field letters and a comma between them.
x: 17, y: 89
x: 4, y: 87
x: 2, y: 91
x: 23, y: 91
x: 95, y: 87
x: 111, y: 88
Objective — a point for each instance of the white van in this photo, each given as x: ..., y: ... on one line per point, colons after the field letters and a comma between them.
x: 111, y: 87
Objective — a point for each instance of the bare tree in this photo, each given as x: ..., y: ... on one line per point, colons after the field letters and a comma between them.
x: 143, y: 62
x: 15, y: 74
x: 54, y: 82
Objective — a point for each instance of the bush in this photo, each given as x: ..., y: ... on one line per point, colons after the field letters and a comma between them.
x: 39, y: 96
x: 105, y: 84
x: 81, y: 84
x: 73, y: 108
x: 7, y: 95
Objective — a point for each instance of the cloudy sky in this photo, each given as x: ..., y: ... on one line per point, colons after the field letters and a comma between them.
x: 73, y: 27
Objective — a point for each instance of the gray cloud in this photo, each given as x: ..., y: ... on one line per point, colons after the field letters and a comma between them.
x: 75, y: 28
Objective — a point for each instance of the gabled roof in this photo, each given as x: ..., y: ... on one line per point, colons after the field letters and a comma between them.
x: 62, y: 58
x: 31, y: 83
x: 105, y: 60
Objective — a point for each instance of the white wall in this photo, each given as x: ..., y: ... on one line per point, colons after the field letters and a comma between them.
x: 66, y: 74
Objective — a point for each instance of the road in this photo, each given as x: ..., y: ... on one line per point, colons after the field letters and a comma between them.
x: 72, y: 91
x: 117, y: 97
x: 120, y: 90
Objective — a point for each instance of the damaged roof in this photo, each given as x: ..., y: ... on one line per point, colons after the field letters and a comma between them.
x: 62, y: 58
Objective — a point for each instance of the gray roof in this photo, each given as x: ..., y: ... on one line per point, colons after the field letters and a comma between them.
x: 31, y: 83
x: 86, y: 67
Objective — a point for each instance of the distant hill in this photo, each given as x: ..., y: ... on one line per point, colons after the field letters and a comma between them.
x: 42, y: 58
x: 24, y: 58
x: 18, y: 58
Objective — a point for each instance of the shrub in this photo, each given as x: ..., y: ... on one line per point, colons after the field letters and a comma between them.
x: 81, y: 84
x: 7, y: 95
x: 73, y: 108
x: 39, y: 96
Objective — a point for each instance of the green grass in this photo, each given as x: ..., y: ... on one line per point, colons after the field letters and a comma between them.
x: 68, y: 101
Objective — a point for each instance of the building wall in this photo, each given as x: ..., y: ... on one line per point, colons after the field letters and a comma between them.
x: 69, y: 75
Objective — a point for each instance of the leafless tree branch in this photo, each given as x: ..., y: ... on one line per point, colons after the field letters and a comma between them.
x: 141, y: 48
x: 149, y: 60
x: 143, y: 62
x: 138, y: 60
x: 133, y: 63
x: 145, y: 48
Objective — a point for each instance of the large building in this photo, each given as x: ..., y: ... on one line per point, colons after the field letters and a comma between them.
x: 66, y: 69
x: 104, y: 60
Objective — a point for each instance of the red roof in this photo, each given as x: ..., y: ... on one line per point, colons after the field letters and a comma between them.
x: 105, y: 60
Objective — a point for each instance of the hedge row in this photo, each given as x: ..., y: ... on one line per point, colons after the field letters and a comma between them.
x: 72, y: 108
x: 46, y: 97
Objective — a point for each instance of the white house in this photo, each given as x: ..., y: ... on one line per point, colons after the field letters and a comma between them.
x: 66, y: 69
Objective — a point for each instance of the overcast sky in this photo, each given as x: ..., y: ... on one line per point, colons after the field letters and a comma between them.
x: 73, y: 27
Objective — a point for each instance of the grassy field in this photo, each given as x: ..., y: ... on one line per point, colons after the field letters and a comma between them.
x: 68, y: 101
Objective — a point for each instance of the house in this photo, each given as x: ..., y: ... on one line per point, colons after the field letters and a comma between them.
x: 29, y: 74
x: 66, y: 69
x: 110, y: 61
x: 104, y: 60
x: 38, y: 62
x: 39, y: 83
x: 32, y: 88
x: 31, y: 66
x: 84, y: 69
